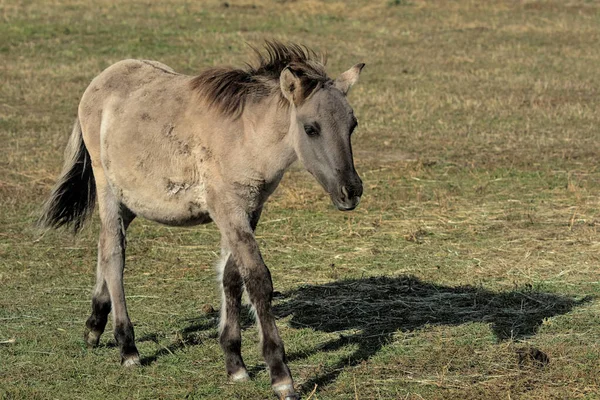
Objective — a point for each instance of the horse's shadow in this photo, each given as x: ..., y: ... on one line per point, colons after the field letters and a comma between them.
x: 375, y: 308
x: 198, y: 330
x: 378, y: 307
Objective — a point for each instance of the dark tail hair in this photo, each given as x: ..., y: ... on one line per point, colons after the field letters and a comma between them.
x: 73, y: 197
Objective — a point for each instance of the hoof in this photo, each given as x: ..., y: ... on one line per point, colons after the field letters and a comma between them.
x: 131, y: 361
x: 285, y: 392
x: 240, y: 376
x: 91, y: 338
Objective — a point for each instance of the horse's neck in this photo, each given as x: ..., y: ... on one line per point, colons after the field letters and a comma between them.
x: 267, y: 126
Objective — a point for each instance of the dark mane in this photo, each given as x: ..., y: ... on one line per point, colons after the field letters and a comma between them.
x: 228, y: 89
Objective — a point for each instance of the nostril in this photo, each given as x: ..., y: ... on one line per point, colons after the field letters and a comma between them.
x: 345, y: 192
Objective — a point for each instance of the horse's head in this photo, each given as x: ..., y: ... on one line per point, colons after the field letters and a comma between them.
x: 322, y: 122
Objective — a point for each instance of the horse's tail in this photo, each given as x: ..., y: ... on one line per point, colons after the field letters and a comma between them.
x: 73, y: 197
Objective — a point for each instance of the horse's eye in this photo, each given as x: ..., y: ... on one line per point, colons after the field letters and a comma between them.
x: 310, y: 130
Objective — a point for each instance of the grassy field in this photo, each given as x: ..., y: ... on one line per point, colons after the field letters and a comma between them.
x: 469, y: 271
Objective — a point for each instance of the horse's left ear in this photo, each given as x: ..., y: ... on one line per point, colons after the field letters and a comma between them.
x: 290, y: 86
x: 345, y: 81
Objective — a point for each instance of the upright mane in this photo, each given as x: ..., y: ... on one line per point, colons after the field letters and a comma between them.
x: 228, y: 89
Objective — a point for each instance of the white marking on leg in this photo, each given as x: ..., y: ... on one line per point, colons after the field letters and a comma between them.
x: 240, y: 376
x: 132, y: 362
x: 257, y: 322
x: 220, y: 268
x: 93, y: 338
x: 285, y: 391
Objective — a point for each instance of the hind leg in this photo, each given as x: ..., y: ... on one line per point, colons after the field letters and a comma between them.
x: 95, y: 324
x: 101, y: 304
x: 109, y: 293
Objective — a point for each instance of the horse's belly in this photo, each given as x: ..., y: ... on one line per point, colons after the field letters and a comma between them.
x: 158, y: 184
x: 181, y: 205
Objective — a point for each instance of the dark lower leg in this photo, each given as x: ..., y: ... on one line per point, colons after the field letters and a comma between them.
x: 272, y: 347
x: 126, y: 340
x: 230, y: 333
x: 123, y: 329
x: 112, y: 259
x: 260, y: 290
x: 96, y: 323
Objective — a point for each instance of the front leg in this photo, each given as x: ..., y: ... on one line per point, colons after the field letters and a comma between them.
x: 232, y: 287
x: 230, y: 336
x: 238, y: 237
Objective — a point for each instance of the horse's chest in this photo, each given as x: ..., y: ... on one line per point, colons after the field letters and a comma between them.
x: 255, y: 194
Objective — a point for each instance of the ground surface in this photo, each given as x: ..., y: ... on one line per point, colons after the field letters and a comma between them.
x: 469, y: 271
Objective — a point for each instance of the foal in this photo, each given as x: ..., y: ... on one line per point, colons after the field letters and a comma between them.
x: 184, y: 150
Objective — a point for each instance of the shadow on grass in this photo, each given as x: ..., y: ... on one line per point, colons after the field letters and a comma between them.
x: 377, y: 307
x: 194, y: 334
x: 198, y: 330
x: 380, y: 306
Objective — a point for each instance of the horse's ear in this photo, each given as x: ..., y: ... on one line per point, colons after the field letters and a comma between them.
x: 290, y: 85
x: 345, y: 81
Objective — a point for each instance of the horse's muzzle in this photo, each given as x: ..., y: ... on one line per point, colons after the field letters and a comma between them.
x: 348, y: 198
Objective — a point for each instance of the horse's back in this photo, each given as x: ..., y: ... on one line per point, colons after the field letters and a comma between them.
x: 136, y: 128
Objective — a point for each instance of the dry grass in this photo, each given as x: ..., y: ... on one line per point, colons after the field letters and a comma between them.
x: 470, y: 270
